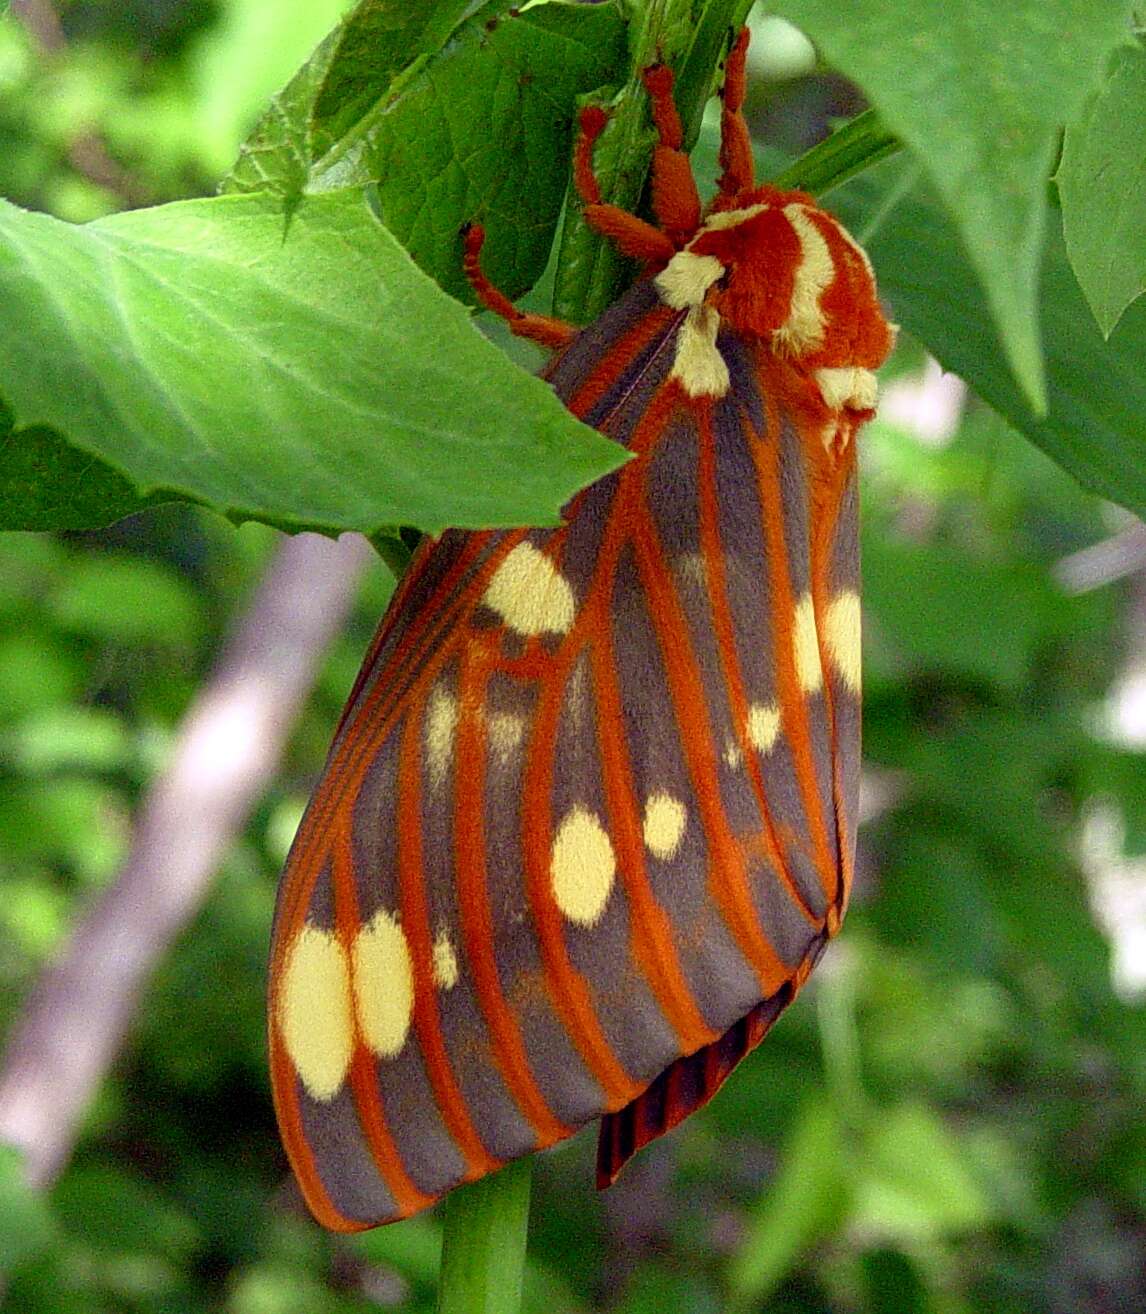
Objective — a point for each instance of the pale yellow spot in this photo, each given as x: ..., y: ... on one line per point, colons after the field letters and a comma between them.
x: 530, y: 594
x: 849, y: 386
x: 506, y: 731
x: 807, y: 646
x: 577, y: 694
x: 686, y: 278
x: 733, y: 757
x: 313, y: 1010
x: 383, y: 984
x: 582, y: 867
x: 804, y: 328
x: 730, y: 218
x: 445, y: 963
x: 843, y: 638
x: 699, y: 366
x: 441, y: 722
x: 663, y: 830
x: 763, y: 726
x: 693, y: 568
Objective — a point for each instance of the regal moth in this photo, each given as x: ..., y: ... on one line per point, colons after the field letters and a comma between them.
x: 589, y: 816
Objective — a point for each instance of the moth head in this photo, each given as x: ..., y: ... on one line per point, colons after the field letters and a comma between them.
x: 786, y: 271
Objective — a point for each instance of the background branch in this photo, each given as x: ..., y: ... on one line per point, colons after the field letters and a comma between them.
x: 225, y: 753
x: 86, y: 151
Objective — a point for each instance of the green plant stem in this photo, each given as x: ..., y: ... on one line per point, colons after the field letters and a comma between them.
x: 590, y: 271
x: 718, y: 21
x: 483, y: 1249
x: 393, y: 551
x: 854, y: 147
x: 839, y: 1040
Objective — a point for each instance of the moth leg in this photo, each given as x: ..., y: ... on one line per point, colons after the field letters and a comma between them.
x: 545, y: 330
x: 631, y: 236
x: 737, y: 167
x: 676, y: 202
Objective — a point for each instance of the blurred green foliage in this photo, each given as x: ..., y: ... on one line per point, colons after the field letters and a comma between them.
x: 948, y: 1121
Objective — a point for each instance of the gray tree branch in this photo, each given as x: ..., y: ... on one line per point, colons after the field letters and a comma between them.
x: 226, y: 751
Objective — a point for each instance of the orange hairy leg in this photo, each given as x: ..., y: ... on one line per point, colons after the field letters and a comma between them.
x: 676, y: 202
x: 545, y: 330
x: 631, y: 236
x: 737, y: 167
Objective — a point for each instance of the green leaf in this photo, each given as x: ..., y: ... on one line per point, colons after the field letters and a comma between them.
x: 913, y: 1184
x: 45, y: 483
x: 116, y: 1210
x: 485, y: 132
x: 1102, y: 182
x: 859, y: 145
x: 302, y: 372
x: 26, y: 1225
x: 241, y: 60
x: 479, y: 129
x: 893, y: 1285
x: 127, y: 599
x: 710, y: 37
x: 349, y: 72
x: 375, y: 42
x: 1096, y: 389
x: 66, y: 738
x: 806, y: 1201
x: 996, y: 615
x: 979, y: 92
x: 591, y: 272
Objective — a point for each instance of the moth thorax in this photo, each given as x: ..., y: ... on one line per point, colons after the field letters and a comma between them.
x: 779, y: 268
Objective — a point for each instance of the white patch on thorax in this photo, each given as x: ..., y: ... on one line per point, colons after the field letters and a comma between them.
x: 699, y: 367
x: 685, y: 280
x: 849, y: 385
x: 729, y: 219
x: 803, y: 330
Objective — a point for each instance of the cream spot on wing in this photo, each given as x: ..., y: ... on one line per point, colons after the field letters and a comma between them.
x: 530, y: 594
x: 693, y: 568
x: 663, y: 830
x: 849, y: 385
x: 807, y: 646
x: 686, y: 278
x: 582, y: 867
x: 505, y: 730
x: 733, y: 757
x: 577, y: 695
x: 313, y: 1010
x: 843, y: 638
x: 441, y: 722
x: 804, y: 327
x: 699, y: 366
x: 445, y: 962
x: 383, y: 984
x: 763, y: 726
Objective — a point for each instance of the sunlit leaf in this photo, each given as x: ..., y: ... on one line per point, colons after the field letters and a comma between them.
x: 1102, y: 181
x: 979, y: 91
x: 299, y: 370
